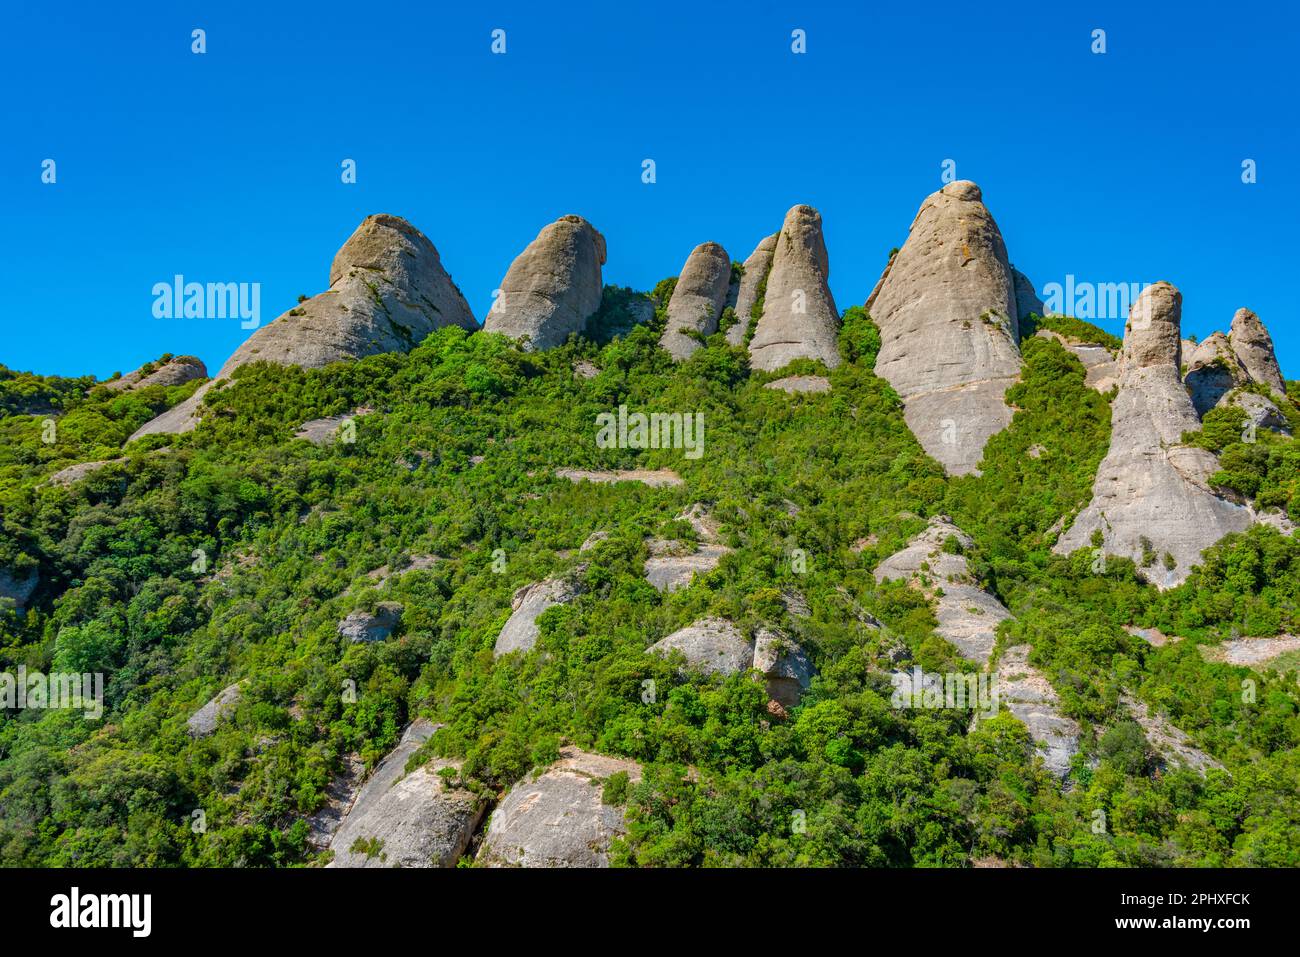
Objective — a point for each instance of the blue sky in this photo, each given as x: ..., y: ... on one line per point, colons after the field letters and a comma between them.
x: 225, y: 167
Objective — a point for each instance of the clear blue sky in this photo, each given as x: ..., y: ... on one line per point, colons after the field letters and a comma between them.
x: 1122, y: 167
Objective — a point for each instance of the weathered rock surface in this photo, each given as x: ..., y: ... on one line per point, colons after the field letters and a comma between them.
x: 786, y: 670
x: 1250, y: 652
x: 655, y: 478
x: 947, y: 313
x: 1029, y: 696
x: 553, y: 287
x: 1027, y: 298
x: 1212, y: 371
x: 1100, y: 364
x: 1260, y: 412
x: 799, y: 319
x: 18, y: 586
x: 968, y: 616
x: 81, y: 470
x: 558, y: 818
x: 757, y: 267
x: 324, y: 431
x: 173, y: 372
x: 673, y: 565
x: 362, y: 626
x: 711, y: 645
x: 1173, y: 746
x: 697, y: 300
x: 1253, y: 347
x: 520, y: 630
x: 387, y: 291
x: 1150, y: 486
x: 407, y: 820
x: 801, y: 383
x: 204, y: 721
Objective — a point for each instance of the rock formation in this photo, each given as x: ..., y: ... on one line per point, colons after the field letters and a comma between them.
x: 361, y: 626
x: 784, y: 666
x: 655, y: 478
x: 710, y: 645
x: 553, y: 287
x: 968, y: 616
x: 1029, y: 696
x: 520, y: 630
x: 697, y: 300
x: 1169, y: 742
x: 799, y: 318
x: 947, y: 313
x: 753, y: 280
x: 407, y: 820
x: 387, y: 291
x: 204, y: 721
x: 1212, y: 371
x: 1152, y: 493
x: 1099, y: 363
x: 559, y: 818
x: 1027, y: 299
x: 1253, y: 347
x: 792, y: 384
x: 175, y: 371
x: 17, y: 586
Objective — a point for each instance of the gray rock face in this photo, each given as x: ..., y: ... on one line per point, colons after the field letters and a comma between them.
x: 520, y: 631
x: 407, y: 820
x: 388, y: 290
x: 757, y: 267
x: 801, y: 383
x: 323, y: 431
x: 1150, y: 486
x: 711, y: 645
x: 1261, y: 412
x: 79, y: 471
x: 558, y: 818
x: 1173, y: 746
x: 176, y: 371
x: 948, y: 319
x: 968, y: 616
x: 360, y: 626
x: 799, y: 319
x: 697, y: 299
x: 1212, y: 371
x: 553, y: 287
x: 656, y: 478
x: 1029, y: 696
x: 204, y: 721
x: 1100, y: 365
x: 18, y: 586
x: 785, y: 668
x: 1253, y: 347
x: 673, y: 565
x: 1027, y: 298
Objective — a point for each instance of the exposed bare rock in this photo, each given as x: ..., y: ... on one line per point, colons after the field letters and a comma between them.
x: 1212, y: 371
x: 1152, y: 636
x: 1173, y: 746
x: 585, y: 370
x: 711, y: 645
x: 705, y: 525
x: 407, y: 820
x: 655, y: 478
x: 553, y: 287
x: 801, y: 383
x: 324, y: 431
x: 176, y: 371
x: 785, y: 667
x: 1250, y: 652
x: 674, y: 565
x: 757, y: 267
x: 339, y: 795
x: 361, y: 626
x: 1150, y: 488
x: 1029, y: 696
x: 559, y: 818
x: 387, y: 291
x: 1253, y: 347
x: 799, y: 319
x: 1027, y: 298
x: 18, y: 586
x: 520, y: 630
x: 81, y: 470
x: 1100, y: 365
x: 948, y: 322
x: 1260, y: 412
x: 204, y: 721
x: 796, y: 605
x: 697, y: 300
x: 967, y: 615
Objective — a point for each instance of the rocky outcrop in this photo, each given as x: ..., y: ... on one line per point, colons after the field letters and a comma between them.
x: 1027, y: 300
x: 655, y: 478
x: 697, y: 300
x: 1170, y: 743
x: 711, y: 645
x: 785, y: 668
x: 553, y: 287
x: 1260, y: 412
x: 204, y: 721
x: 752, y: 283
x: 559, y: 818
x: 1152, y: 493
x: 520, y: 630
x: 18, y: 586
x: 799, y: 318
x: 1253, y: 347
x: 948, y: 319
x: 967, y: 615
x: 1212, y: 371
x: 387, y: 291
x: 1101, y: 367
x: 673, y: 564
x: 800, y: 383
x: 75, y: 473
x: 407, y: 820
x: 362, y: 626
x: 1250, y: 652
x: 1029, y: 696
x: 324, y: 431
x: 176, y: 371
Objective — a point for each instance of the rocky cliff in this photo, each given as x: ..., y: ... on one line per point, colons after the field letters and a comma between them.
x: 697, y: 300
